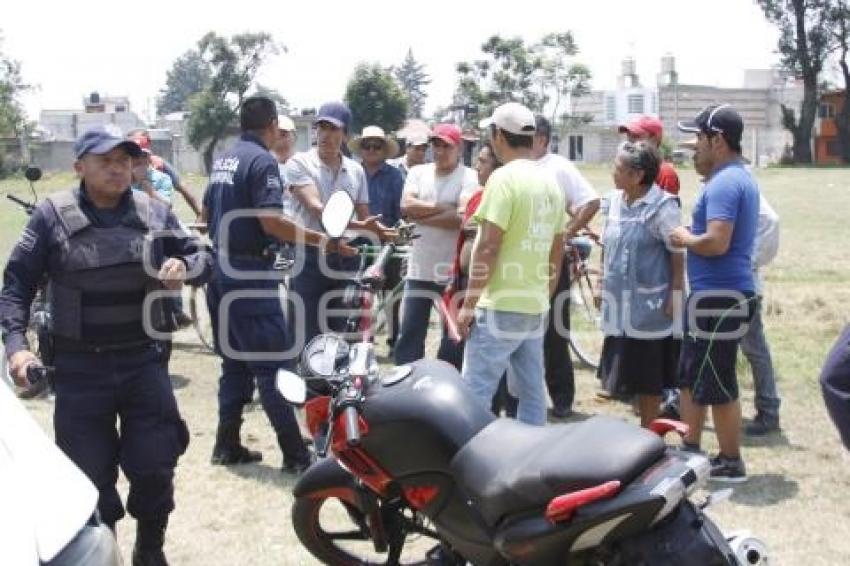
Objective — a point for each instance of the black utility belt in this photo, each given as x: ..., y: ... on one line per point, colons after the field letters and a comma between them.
x: 61, y: 344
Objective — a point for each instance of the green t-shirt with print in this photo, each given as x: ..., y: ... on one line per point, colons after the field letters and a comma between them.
x: 524, y: 201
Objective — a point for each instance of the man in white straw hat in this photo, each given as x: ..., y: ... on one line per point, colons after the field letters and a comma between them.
x: 385, y: 183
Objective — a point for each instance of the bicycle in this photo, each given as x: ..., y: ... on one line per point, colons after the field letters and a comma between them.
x: 586, y: 336
x: 382, y: 306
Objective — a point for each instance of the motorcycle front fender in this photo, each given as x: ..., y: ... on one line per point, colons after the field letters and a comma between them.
x: 327, y: 478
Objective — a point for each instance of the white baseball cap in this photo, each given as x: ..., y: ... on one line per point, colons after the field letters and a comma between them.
x: 285, y: 123
x: 512, y: 117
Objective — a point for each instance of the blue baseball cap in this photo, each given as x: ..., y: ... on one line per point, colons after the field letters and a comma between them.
x: 102, y: 139
x: 335, y: 113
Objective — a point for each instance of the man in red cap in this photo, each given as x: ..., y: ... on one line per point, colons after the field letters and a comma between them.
x: 651, y: 129
x: 143, y: 138
x: 433, y: 193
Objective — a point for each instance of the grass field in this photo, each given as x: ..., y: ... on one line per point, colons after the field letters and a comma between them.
x: 798, y: 491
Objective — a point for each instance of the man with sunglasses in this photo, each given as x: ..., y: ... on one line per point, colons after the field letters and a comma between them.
x: 385, y: 184
x: 433, y: 194
x: 722, y: 298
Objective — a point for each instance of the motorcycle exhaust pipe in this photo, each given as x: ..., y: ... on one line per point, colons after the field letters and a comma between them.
x: 748, y: 550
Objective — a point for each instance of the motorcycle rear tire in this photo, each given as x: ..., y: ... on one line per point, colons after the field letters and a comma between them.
x: 687, y: 537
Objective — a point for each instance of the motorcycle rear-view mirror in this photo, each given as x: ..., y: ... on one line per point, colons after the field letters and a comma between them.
x: 291, y: 387
x: 337, y: 214
x: 32, y: 173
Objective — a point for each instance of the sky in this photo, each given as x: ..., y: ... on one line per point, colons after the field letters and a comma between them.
x: 125, y: 49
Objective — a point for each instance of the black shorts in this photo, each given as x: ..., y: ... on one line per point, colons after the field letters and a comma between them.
x: 710, y: 344
x: 630, y: 366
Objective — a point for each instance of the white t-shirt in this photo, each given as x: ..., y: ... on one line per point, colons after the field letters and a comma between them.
x: 306, y: 168
x: 288, y: 206
x: 433, y: 252
x: 767, y: 234
x: 766, y: 245
x: 577, y: 191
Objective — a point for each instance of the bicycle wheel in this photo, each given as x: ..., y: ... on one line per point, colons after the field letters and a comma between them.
x: 201, y: 317
x: 586, y: 336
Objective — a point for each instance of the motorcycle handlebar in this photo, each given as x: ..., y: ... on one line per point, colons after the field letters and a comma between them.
x: 352, y: 426
x: 28, y: 207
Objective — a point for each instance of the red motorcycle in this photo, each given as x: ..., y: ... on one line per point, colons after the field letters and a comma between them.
x: 421, y: 473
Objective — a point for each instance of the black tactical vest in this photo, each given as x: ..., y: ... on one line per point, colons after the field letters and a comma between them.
x: 98, y: 291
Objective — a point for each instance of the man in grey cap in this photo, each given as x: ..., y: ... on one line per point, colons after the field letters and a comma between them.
x: 90, y: 243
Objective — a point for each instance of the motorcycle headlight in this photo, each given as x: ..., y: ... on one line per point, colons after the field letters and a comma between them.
x: 325, y: 356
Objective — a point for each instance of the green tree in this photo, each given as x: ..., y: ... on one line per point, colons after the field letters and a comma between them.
x: 234, y: 63
x: 13, y: 122
x: 274, y: 95
x: 413, y: 79
x: 560, y: 78
x: 506, y: 73
x: 541, y: 75
x: 189, y: 75
x: 804, y: 44
x: 375, y: 98
x: 841, y: 37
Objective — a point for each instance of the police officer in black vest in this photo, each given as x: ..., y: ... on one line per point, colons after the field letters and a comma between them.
x: 243, y: 207
x: 104, y: 249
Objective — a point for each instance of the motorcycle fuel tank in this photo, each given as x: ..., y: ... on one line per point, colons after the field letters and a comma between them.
x: 418, y: 422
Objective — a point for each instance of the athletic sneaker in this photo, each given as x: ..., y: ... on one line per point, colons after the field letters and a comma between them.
x: 728, y: 470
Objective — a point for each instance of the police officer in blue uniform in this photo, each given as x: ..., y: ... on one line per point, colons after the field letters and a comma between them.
x: 104, y: 249
x: 243, y: 206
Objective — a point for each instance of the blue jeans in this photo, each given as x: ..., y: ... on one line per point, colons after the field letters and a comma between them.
x: 755, y: 348
x: 310, y: 284
x: 499, y: 339
x: 419, y: 297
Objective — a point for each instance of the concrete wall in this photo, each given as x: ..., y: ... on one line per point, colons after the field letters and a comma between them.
x: 764, y: 137
x: 53, y: 156
x: 599, y: 144
x: 68, y: 125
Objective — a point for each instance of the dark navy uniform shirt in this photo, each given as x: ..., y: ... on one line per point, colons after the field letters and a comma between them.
x: 36, y: 254
x: 385, y: 188
x: 245, y: 177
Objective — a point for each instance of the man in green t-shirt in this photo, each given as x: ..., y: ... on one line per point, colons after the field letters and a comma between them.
x: 518, y: 248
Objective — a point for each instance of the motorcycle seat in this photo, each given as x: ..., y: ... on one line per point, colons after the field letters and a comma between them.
x: 510, y: 467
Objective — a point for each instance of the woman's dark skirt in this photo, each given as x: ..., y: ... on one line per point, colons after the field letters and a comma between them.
x: 631, y: 366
